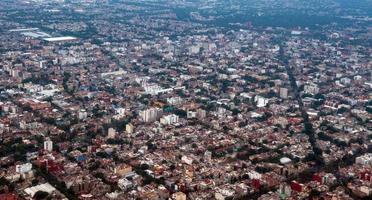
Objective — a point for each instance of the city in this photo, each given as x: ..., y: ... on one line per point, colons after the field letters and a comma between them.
x: 185, y: 99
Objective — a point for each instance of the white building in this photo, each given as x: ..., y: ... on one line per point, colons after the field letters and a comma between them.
x: 151, y: 115
x: 365, y: 159
x: 366, y: 190
x: 125, y: 184
x: 111, y: 133
x: 169, y: 119
x: 191, y: 114
x: 129, y: 128
x: 254, y: 175
x: 261, y: 101
x: 82, y: 114
x: 194, y: 49
x: 41, y: 64
x: 120, y: 111
x: 48, y: 145
x: 187, y: 160
x: 208, y: 156
x: 152, y: 89
x: 174, y: 100
x: 223, y: 194
x: 201, y: 114
x: 46, y: 187
x: 283, y: 93
x: 24, y: 168
x: 118, y: 73
x: 345, y: 81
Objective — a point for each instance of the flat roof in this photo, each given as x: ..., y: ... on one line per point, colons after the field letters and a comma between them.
x: 58, y: 39
x: 36, y: 34
x: 46, y: 187
x: 23, y: 29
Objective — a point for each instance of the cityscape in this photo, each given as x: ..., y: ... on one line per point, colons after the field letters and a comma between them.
x: 185, y: 99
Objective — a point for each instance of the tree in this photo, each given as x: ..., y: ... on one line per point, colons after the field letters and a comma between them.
x: 39, y: 195
x: 342, y: 110
x: 235, y: 111
x: 35, y: 182
x: 180, y: 113
x: 144, y: 166
x: 319, y: 96
x: 102, y: 154
x: 271, y: 94
x: 100, y: 175
x: 369, y: 109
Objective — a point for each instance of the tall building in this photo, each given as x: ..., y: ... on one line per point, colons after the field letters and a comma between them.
x: 83, y: 114
x: 129, y: 128
x: 285, y: 189
x: 111, y: 133
x: 261, y: 101
x: 283, y: 93
x: 208, y: 156
x: 151, y: 115
x: 48, y: 145
x: 201, y: 114
x: 41, y: 64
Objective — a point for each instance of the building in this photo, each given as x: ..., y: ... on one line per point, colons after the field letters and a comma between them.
x: 187, y: 160
x: 295, y: 186
x: 208, y: 156
x: 285, y: 190
x: 46, y: 187
x: 82, y: 114
x: 345, y: 81
x: 283, y: 93
x: 194, y: 49
x: 261, y: 101
x: 24, y: 168
x: 191, y: 114
x: 151, y: 115
x: 366, y: 190
x: 41, y: 64
x: 254, y: 175
x: 48, y: 145
x: 125, y: 184
x: 311, y: 89
x: 169, y: 119
x: 179, y: 196
x: 129, y: 128
x: 365, y: 159
x: 224, y: 194
x: 201, y: 114
x: 174, y: 101
x: 111, y: 133
x: 123, y: 169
